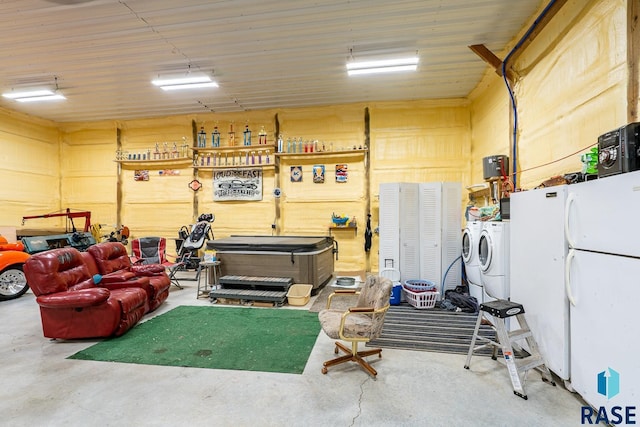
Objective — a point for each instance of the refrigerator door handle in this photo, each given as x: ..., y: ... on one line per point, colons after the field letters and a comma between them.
x: 567, y: 277
x: 567, y: 207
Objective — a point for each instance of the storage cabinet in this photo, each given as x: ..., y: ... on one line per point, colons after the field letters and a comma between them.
x: 420, y: 227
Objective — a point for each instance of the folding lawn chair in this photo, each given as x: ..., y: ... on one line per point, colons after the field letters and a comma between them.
x: 153, y: 250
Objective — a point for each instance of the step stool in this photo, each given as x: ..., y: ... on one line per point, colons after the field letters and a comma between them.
x: 500, y: 310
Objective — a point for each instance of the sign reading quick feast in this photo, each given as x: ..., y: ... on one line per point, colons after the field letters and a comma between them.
x: 609, y: 386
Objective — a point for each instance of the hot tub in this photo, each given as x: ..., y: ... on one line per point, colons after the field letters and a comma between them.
x: 306, y: 259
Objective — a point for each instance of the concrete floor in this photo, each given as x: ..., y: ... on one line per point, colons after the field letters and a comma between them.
x: 41, y: 387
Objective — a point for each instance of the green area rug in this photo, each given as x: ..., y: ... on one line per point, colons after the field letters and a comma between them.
x: 251, y: 339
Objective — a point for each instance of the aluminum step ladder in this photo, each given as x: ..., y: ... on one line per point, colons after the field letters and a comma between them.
x: 497, y: 312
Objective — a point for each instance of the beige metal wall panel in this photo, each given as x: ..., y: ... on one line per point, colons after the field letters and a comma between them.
x: 306, y: 207
x: 89, y: 177
x: 422, y: 141
x: 573, y: 88
x: 490, y: 127
x: 29, y: 170
x: 239, y: 217
x: 161, y: 205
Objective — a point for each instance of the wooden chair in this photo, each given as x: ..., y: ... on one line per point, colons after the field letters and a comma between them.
x: 358, y: 324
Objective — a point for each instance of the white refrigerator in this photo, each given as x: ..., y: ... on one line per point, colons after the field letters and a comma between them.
x: 575, y: 266
x: 603, y: 288
x: 538, y: 253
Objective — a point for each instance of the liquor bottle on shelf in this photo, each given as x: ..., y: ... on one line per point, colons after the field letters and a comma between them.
x: 232, y: 136
x: 262, y: 136
x: 246, y: 135
x: 156, y: 154
x: 184, y: 148
x: 165, y: 151
x: 174, y: 151
x: 280, y: 144
x: 267, y: 158
x: 289, y: 146
x: 202, y: 138
x: 300, y: 145
x: 148, y: 153
x: 215, y: 137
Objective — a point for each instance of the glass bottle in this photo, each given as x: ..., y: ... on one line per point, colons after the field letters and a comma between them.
x: 300, y: 145
x: 262, y: 136
x: 280, y: 144
x: 215, y: 137
x: 246, y: 135
x: 202, y: 138
x: 232, y: 136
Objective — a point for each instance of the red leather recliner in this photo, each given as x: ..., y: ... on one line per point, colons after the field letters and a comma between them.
x: 71, y: 306
x: 114, y: 264
x: 115, y: 282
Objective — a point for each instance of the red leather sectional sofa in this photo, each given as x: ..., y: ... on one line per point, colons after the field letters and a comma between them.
x: 73, y: 306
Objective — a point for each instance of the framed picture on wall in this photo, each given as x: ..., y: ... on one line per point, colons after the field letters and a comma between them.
x: 141, y: 175
x: 237, y: 184
x: 341, y: 173
x: 296, y: 173
x: 318, y: 174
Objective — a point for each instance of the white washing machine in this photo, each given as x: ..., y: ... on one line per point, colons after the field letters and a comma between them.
x: 470, y: 257
x: 493, y: 255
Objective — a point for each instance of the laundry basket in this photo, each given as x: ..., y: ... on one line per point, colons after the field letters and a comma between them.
x: 420, y: 293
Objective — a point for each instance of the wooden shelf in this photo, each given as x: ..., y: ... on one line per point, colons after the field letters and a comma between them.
x: 156, y: 164
x: 227, y: 149
x: 343, y: 227
x: 263, y: 166
x: 341, y: 153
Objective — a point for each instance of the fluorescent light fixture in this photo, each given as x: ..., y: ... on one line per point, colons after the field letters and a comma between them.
x: 382, y: 66
x: 34, y: 95
x: 186, y: 82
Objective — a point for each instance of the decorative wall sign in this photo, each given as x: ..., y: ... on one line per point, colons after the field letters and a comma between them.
x: 169, y: 172
x: 341, y: 173
x: 195, y: 185
x: 141, y: 175
x: 237, y: 184
x: 296, y: 173
x: 318, y: 174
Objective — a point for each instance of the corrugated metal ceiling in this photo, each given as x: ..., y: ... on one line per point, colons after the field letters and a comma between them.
x: 264, y: 54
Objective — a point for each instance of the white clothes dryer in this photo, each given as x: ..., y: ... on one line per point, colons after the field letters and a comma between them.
x: 471, y: 259
x: 493, y: 255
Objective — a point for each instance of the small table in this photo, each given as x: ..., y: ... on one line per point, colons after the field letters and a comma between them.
x: 211, y: 270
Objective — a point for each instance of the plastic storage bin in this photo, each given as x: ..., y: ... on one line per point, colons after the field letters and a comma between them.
x: 299, y: 294
x: 396, y: 291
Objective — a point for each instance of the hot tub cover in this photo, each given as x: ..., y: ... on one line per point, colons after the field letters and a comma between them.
x: 271, y: 243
